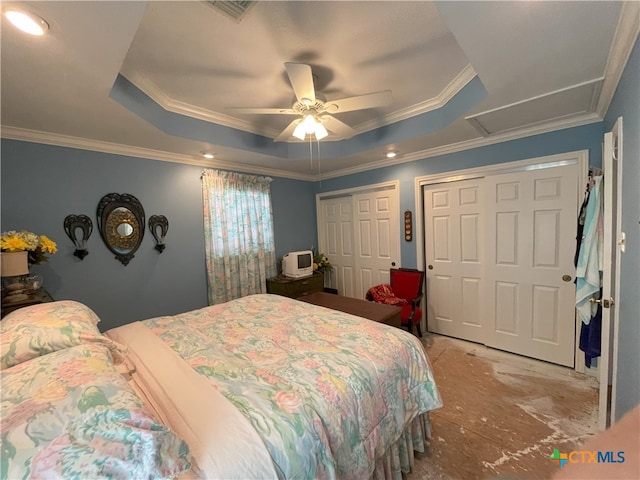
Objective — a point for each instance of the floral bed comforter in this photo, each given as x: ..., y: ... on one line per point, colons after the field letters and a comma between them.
x: 69, y: 414
x: 328, y: 392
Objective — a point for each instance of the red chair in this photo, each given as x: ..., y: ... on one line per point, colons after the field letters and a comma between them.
x: 404, y: 291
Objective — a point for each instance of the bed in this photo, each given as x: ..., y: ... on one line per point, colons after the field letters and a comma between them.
x: 270, y: 387
x: 66, y: 411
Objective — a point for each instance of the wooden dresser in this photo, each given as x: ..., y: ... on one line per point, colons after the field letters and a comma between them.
x: 295, y: 287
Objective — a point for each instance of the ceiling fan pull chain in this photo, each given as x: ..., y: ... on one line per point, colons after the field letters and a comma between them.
x: 319, y: 169
x: 310, y: 153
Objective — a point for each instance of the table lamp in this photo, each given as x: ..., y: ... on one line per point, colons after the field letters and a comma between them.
x: 13, y: 265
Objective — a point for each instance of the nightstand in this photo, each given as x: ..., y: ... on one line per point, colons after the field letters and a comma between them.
x: 41, y: 296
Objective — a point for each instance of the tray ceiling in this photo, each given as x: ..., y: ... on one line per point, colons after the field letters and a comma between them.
x: 157, y: 79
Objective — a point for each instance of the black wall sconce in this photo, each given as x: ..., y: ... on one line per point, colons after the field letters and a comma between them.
x: 73, y: 223
x: 408, y: 226
x: 159, y: 225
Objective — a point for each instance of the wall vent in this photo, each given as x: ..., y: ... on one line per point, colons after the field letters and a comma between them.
x: 235, y: 9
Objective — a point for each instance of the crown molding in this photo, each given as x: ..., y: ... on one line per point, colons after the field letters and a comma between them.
x: 166, y: 102
x: 58, y: 140
x: 624, y: 39
x: 458, y: 83
x: 575, y: 121
x: 15, y: 133
x: 158, y: 95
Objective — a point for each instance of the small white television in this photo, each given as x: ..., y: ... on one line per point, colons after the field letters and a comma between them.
x: 298, y: 264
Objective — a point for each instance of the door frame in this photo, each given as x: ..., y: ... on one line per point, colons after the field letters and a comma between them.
x: 613, y: 247
x: 579, y: 157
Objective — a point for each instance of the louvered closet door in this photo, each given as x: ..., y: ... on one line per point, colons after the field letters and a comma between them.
x: 531, y: 227
x: 454, y: 246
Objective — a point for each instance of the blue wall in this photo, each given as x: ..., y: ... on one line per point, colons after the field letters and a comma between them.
x: 626, y: 103
x: 588, y: 137
x: 294, y: 215
x: 43, y: 184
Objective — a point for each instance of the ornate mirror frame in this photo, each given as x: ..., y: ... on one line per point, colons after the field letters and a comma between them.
x: 71, y: 225
x: 121, y: 223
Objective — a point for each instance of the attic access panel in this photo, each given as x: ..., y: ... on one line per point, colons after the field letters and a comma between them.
x: 565, y: 103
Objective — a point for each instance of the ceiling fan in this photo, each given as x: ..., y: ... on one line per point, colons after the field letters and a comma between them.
x: 314, y: 111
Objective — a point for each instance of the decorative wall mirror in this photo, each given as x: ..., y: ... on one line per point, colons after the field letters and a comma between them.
x: 159, y: 225
x: 78, y: 228
x: 121, y: 223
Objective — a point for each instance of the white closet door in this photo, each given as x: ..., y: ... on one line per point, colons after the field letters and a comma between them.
x: 337, y: 242
x: 377, y: 237
x: 454, y: 239
x: 530, y: 291
x: 360, y: 233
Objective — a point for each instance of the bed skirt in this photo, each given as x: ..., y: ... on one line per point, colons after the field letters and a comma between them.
x: 400, y: 458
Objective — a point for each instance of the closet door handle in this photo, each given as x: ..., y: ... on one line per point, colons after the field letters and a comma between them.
x: 566, y: 278
x: 604, y: 302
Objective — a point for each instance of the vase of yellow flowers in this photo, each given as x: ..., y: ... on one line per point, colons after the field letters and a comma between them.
x: 37, y: 247
x: 20, y: 250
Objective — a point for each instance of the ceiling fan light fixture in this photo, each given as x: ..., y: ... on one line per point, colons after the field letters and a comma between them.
x: 300, y: 131
x: 321, y: 132
x: 312, y: 108
x: 309, y: 123
x: 27, y: 22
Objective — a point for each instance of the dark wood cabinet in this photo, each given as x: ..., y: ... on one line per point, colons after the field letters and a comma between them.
x: 295, y: 287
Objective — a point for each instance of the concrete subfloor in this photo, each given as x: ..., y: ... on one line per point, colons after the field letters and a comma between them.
x: 503, y: 414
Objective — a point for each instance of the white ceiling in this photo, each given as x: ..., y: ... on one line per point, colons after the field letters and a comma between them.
x: 539, y: 66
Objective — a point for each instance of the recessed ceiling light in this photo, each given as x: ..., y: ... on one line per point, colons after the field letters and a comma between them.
x: 27, y: 22
x: 391, y: 154
x: 208, y: 155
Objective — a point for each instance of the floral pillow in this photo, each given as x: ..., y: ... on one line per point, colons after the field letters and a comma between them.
x: 70, y: 414
x: 41, y: 329
x: 62, y: 310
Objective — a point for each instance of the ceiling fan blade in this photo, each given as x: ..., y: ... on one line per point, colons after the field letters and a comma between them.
x: 301, y: 79
x: 336, y: 126
x: 269, y: 111
x: 287, y: 133
x: 360, y: 102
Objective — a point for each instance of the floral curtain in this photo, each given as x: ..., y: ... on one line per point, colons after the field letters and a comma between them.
x: 238, y: 230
